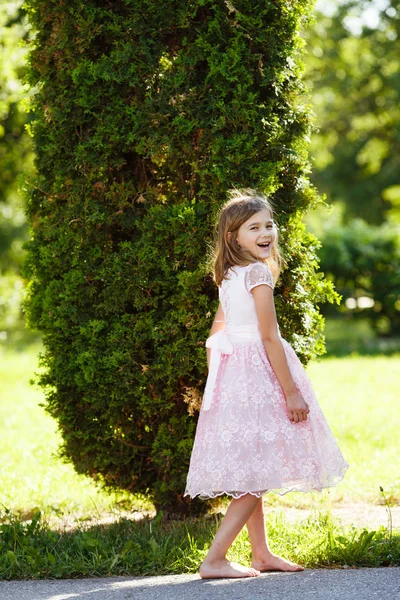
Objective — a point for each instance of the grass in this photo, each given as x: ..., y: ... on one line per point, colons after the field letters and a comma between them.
x: 358, y: 396
x: 151, y: 548
x: 38, y: 493
x: 31, y: 477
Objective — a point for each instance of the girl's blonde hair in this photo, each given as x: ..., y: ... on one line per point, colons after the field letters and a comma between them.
x: 242, y: 204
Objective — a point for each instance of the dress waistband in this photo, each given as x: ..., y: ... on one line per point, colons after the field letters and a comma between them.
x: 249, y: 330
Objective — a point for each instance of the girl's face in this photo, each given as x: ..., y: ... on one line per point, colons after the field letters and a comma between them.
x: 258, y: 234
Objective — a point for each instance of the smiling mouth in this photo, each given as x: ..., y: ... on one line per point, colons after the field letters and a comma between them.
x: 265, y: 245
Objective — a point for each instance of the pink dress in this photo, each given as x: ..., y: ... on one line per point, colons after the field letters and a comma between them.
x: 244, y: 439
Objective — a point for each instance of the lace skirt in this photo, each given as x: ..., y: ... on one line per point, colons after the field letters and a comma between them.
x: 245, y: 442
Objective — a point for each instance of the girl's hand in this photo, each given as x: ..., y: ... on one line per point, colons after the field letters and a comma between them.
x: 297, y: 407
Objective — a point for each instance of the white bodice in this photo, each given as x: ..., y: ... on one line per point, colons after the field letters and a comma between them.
x: 235, y: 294
x: 241, y: 322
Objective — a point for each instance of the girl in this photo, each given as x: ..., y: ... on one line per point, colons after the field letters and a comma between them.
x: 260, y: 427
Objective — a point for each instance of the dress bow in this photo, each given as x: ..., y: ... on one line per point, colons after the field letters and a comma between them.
x: 219, y: 343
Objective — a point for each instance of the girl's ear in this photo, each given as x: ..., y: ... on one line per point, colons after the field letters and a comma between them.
x: 228, y: 235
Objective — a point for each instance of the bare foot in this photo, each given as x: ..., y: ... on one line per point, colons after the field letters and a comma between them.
x: 272, y: 562
x: 225, y: 569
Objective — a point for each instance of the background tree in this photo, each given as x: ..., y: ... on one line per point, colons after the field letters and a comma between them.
x: 355, y: 80
x: 353, y: 69
x: 146, y: 113
x: 16, y: 157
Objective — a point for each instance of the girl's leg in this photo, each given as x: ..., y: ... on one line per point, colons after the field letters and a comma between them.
x: 257, y: 534
x: 263, y: 559
x: 215, y: 564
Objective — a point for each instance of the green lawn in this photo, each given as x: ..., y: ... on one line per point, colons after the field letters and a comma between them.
x: 31, y: 476
x: 359, y: 396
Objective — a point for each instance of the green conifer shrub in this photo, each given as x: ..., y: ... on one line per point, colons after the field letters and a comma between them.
x: 146, y: 112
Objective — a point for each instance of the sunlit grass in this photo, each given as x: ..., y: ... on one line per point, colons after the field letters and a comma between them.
x: 359, y: 397
x: 30, y: 475
x: 32, y: 550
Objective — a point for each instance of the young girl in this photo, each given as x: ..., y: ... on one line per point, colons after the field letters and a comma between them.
x: 260, y: 427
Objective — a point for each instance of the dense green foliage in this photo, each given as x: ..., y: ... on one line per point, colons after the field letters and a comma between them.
x: 145, y: 114
x: 364, y: 262
x: 353, y: 68
x: 355, y: 81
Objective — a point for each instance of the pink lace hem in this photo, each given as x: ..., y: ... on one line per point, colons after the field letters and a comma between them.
x: 203, y: 495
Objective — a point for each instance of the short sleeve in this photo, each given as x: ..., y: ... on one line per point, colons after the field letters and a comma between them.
x: 258, y: 274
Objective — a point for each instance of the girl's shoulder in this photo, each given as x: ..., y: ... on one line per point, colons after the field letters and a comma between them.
x: 255, y: 273
x: 258, y: 273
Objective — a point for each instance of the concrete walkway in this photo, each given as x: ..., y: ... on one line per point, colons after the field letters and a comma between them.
x: 313, y: 584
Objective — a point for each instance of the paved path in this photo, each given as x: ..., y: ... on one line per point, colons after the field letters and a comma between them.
x: 311, y: 584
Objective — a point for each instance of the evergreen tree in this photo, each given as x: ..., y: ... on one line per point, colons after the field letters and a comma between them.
x: 355, y: 80
x: 146, y: 113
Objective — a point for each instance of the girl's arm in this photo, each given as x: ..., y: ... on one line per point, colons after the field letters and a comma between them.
x: 218, y: 323
x: 265, y: 309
